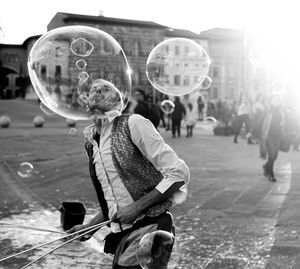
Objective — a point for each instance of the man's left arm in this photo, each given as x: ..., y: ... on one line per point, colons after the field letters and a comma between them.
x: 130, y: 213
x: 174, y: 170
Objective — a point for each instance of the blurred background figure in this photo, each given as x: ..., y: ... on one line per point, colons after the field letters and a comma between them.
x: 154, y: 111
x: 200, y: 104
x: 272, y: 132
x: 141, y: 107
x: 177, y: 116
x: 190, y: 120
x: 257, y: 118
x: 243, y: 117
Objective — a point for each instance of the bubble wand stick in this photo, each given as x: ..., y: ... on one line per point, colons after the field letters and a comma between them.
x: 52, y: 250
x: 11, y: 225
x: 96, y: 226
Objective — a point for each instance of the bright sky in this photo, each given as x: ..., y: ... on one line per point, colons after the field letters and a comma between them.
x: 20, y: 19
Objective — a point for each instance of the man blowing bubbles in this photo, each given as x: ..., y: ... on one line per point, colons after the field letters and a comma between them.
x: 136, y: 175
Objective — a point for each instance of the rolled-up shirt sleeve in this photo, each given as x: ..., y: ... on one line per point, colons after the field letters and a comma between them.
x: 161, y: 155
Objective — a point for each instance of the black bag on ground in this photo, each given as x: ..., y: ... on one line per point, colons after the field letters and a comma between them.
x: 72, y: 213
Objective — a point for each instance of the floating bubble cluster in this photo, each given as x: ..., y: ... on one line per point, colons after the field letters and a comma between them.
x: 158, y: 249
x: 177, y: 66
x: 80, y: 72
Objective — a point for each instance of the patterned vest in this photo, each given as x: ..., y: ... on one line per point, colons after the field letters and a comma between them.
x: 138, y: 175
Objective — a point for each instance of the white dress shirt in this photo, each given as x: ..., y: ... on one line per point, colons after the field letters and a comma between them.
x: 152, y: 146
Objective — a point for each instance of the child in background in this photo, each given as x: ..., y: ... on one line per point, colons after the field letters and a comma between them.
x: 190, y: 120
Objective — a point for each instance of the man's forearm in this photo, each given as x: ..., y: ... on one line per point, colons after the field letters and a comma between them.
x: 154, y: 197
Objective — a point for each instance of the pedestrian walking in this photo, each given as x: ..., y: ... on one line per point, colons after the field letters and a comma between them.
x: 272, y: 135
x: 177, y: 116
x: 190, y: 120
x: 257, y: 118
x: 200, y: 104
x: 243, y: 117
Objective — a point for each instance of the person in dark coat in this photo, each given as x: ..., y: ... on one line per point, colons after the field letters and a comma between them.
x: 177, y: 116
x: 142, y: 107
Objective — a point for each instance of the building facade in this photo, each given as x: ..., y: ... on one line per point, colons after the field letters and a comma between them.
x: 137, y: 38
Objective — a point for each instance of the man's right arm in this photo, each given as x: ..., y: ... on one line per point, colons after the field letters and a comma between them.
x: 95, y: 220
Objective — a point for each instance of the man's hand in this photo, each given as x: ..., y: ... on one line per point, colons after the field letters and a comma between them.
x: 127, y: 214
x: 77, y: 228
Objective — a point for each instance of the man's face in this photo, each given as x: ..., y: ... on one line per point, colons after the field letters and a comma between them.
x: 103, y: 98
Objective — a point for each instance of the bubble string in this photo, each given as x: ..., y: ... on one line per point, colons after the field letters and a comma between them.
x: 69, y: 241
x: 29, y: 227
x: 89, y: 229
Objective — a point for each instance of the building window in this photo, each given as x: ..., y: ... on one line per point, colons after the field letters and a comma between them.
x: 106, y: 46
x: 167, y: 81
x: 186, y: 81
x: 136, y: 79
x: 177, y: 79
x: 231, y: 71
x: 177, y: 50
x: 215, y: 72
x: 136, y: 47
x: 57, y: 72
x: 186, y: 50
x: 43, y: 71
x: 215, y: 93
x: 231, y: 93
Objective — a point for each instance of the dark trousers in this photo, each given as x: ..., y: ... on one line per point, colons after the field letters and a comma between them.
x: 189, y: 130
x: 272, y: 146
x: 176, y: 125
x: 241, y: 119
x: 164, y: 222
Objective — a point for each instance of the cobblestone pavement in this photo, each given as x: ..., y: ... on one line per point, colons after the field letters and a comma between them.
x: 233, y: 217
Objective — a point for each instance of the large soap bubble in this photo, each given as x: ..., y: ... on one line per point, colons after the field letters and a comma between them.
x: 177, y: 66
x: 80, y: 72
x: 158, y: 250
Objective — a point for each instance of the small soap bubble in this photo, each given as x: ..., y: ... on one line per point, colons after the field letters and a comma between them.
x: 72, y: 131
x: 81, y: 64
x: 82, y: 47
x: 259, y: 56
x: 278, y: 86
x: 167, y: 106
x: 83, y: 77
x: 206, y: 83
x: 25, y: 170
x: 209, y: 123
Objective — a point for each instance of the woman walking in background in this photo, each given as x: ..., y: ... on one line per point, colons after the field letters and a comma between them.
x: 190, y: 120
x: 258, y: 110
